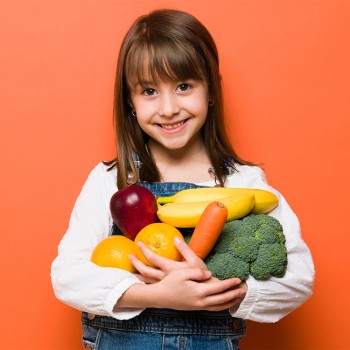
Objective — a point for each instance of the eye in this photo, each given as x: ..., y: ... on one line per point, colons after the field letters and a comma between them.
x: 149, y: 92
x: 184, y: 87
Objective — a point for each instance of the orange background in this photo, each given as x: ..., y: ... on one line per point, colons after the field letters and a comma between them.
x: 286, y: 75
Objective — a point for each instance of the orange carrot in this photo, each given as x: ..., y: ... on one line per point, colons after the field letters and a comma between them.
x: 208, y: 229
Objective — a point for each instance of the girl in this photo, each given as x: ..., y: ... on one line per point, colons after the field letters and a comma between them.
x: 169, y: 119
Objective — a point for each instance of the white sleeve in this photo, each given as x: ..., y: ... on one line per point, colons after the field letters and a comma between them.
x: 270, y: 300
x: 76, y: 280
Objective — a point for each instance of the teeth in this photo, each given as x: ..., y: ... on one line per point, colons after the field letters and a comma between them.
x: 172, y: 126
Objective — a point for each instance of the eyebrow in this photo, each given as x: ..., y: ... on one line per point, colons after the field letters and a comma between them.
x: 146, y: 82
x: 142, y: 83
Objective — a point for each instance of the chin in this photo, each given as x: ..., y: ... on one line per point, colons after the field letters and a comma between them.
x: 176, y: 147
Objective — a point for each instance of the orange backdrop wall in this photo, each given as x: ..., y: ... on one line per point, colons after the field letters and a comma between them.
x: 286, y: 72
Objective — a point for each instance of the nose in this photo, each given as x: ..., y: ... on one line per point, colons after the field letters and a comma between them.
x: 169, y: 105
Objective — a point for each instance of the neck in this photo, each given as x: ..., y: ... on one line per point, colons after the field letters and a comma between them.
x: 188, y: 164
x: 191, y: 151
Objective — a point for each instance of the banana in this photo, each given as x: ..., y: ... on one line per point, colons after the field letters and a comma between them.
x: 187, y: 214
x: 265, y: 200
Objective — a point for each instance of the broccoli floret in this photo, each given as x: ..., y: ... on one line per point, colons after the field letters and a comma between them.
x: 263, y: 228
x: 266, y: 234
x: 248, y: 225
x: 271, y: 261
x: 256, y: 239
x: 245, y: 248
x: 225, y: 238
x: 226, y: 265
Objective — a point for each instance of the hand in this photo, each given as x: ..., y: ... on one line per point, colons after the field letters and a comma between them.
x: 184, y: 285
x: 184, y: 289
x: 195, y: 289
x: 165, y: 266
x: 244, y: 290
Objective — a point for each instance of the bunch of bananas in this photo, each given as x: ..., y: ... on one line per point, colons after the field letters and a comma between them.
x: 184, y: 209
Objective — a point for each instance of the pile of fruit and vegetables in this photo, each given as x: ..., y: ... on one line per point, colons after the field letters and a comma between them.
x: 229, y: 228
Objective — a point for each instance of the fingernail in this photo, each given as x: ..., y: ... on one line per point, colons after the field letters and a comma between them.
x: 177, y: 240
x: 207, y: 274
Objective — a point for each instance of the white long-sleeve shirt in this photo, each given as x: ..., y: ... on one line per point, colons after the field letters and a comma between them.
x: 85, y: 286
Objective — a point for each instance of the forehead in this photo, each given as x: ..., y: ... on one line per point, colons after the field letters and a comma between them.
x: 145, y: 78
x: 162, y: 63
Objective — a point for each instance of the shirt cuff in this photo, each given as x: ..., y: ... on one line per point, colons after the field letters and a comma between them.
x: 115, y: 294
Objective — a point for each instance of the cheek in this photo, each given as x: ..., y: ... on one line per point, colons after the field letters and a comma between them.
x: 200, y: 107
x: 143, y: 116
x: 144, y: 110
x: 199, y: 102
x: 144, y: 119
x: 140, y: 121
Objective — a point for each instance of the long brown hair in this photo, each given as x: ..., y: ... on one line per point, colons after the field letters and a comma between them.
x: 176, y: 46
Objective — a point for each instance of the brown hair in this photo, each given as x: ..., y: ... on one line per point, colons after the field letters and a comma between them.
x: 176, y: 46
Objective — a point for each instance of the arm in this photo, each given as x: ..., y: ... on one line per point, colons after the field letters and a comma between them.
x: 75, y: 279
x: 271, y: 300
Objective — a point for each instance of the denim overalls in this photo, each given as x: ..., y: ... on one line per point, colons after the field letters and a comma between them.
x: 164, y: 329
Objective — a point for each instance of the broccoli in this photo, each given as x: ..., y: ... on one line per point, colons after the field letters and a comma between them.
x: 252, y: 245
x: 236, y: 268
x: 271, y: 261
x: 245, y: 248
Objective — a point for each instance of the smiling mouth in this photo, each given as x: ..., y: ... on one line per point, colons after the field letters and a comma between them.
x: 172, y: 126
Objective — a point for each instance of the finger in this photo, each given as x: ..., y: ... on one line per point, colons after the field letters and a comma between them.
x: 149, y: 254
x: 232, y: 305
x: 146, y: 271
x: 230, y: 283
x: 217, y: 286
x: 195, y: 274
x: 158, y: 260
x: 184, y: 249
x: 229, y: 297
x: 244, y: 286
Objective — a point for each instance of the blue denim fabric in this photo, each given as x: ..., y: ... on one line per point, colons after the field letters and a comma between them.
x: 167, y: 188
x: 164, y: 329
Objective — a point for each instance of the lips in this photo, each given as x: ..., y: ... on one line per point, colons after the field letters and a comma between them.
x: 172, y: 126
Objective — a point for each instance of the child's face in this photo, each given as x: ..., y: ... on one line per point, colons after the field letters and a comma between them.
x: 171, y: 112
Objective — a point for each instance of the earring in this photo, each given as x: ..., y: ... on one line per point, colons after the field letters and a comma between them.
x: 133, y: 113
x: 211, y: 103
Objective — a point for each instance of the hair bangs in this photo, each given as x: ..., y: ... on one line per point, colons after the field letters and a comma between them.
x: 163, y: 61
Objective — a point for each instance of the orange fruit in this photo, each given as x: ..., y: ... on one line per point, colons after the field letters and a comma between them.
x: 159, y: 237
x: 114, y: 251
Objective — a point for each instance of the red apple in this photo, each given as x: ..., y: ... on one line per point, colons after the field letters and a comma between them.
x: 133, y: 208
